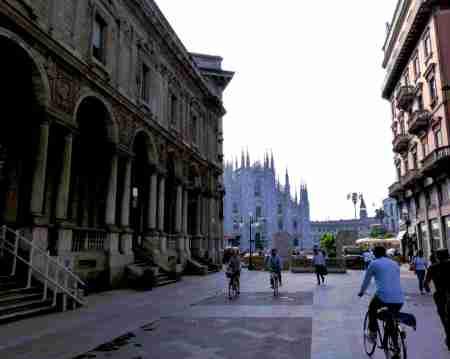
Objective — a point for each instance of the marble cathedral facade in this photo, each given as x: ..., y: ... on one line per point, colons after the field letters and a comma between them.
x: 254, y: 188
x: 110, y: 135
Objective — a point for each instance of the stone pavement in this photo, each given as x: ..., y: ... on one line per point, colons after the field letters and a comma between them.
x: 194, y: 319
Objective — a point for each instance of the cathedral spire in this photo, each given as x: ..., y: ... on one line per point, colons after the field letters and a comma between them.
x: 266, y: 160
x: 248, y: 159
x: 287, y: 185
x: 236, y: 163
x: 272, y: 162
x: 242, y: 159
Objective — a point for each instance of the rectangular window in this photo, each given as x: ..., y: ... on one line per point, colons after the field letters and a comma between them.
x: 424, y: 147
x: 414, y: 160
x: 173, y: 110
x: 416, y: 67
x: 427, y: 45
x: 432, y: 89
x: 406, y: 77
x: 98, y: 39
x: 439, y: 141
x: 258, y: 212
x: 194, y: 129
x: 145, y: 83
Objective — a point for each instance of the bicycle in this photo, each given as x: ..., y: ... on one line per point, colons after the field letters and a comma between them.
x: 233, y: 287
x: 391, y: 336
x: 275, y: 283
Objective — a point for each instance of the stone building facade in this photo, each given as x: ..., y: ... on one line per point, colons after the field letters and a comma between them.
x: 254, y: 188
x: 417, y: 64
x: 111, y: 135
x: 361, y: 226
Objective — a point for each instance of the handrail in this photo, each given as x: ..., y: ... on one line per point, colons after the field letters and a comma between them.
x: 64, y: 268
x: 56, y: 284
x: 67, y: 274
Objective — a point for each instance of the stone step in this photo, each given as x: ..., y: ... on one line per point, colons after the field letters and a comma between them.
x: 18, y: 291
x: 11, y: 317
x: 23, y: 306
x: 11, y: 284
x: 19, y: 297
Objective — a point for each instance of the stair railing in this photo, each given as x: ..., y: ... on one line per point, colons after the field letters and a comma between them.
x: 55, y: 275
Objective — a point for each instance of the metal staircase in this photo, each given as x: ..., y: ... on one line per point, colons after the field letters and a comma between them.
x: 31, y: 281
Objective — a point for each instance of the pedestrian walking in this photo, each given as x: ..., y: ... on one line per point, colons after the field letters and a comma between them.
x: 319, y: 266
x: 368, y: 257
x: 438, y: 274
x: 420, y: 265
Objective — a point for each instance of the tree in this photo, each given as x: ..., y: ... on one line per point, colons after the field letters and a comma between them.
x: 328, y: 242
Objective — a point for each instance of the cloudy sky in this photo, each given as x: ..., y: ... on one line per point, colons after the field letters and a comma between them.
x: 307, y: 86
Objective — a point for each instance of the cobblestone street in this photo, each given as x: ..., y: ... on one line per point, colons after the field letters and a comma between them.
x: 194, y: 319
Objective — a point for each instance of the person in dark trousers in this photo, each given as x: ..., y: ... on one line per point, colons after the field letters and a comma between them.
x: 319, y: 265
x: 438, y: 274
x: 386, y: 273
x: 420, y: 267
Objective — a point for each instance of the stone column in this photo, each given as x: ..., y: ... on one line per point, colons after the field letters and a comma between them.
x: 38, y: 184
x: 185, y: 211
x: 198, y: 223
x: 126, y: 240
x: 178, y: 209
x: 187, y: 240
x: 112, y: 192
x: 162, y: 193
x: 161, y: 202
x: 152, y: 202
x: 64, y: 183
x: 125, y: 212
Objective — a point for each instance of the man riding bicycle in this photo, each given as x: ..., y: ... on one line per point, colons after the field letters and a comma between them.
x: 274, y: 264
x: 389, y: 293
x: 234, y: 267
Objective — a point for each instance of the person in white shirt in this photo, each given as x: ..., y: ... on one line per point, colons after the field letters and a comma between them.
x: 389, y: 291
x: 319, y: 264
x: 368, y: 257
x: 420, y: 267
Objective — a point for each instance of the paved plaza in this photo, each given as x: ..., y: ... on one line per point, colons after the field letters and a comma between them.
x: 194, y: 319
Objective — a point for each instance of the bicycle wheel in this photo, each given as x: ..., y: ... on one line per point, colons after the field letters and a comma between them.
x: 275, y: 286
x: 369, y: 347
x: 395, y: 349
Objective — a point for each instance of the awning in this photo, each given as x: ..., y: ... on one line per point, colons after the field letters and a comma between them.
x: 400, y: 235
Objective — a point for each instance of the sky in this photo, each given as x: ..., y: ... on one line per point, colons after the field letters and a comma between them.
x: 307, y: 86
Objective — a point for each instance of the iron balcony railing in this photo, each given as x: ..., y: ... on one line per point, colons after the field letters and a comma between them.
x: 433, y: 160
x: 405, y: 97
x: 419, y: 121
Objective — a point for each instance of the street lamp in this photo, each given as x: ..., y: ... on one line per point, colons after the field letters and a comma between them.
x: 252, y: 221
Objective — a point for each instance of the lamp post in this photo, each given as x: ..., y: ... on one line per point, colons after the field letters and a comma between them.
x: 251, y: 221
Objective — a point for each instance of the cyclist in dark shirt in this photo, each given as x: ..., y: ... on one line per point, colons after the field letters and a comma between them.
x: 438, y: 274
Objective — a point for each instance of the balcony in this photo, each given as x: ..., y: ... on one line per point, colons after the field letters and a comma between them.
x: 400, y: 143
x: 395, y: 190
x: 405, y: 97
x: 419, y: 122
x: 410, y: 179
x: 437, y: 161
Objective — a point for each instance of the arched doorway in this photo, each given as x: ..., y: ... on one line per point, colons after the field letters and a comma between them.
x: 21, y: 96
x: 91, y: 165
x: 140, y: 185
